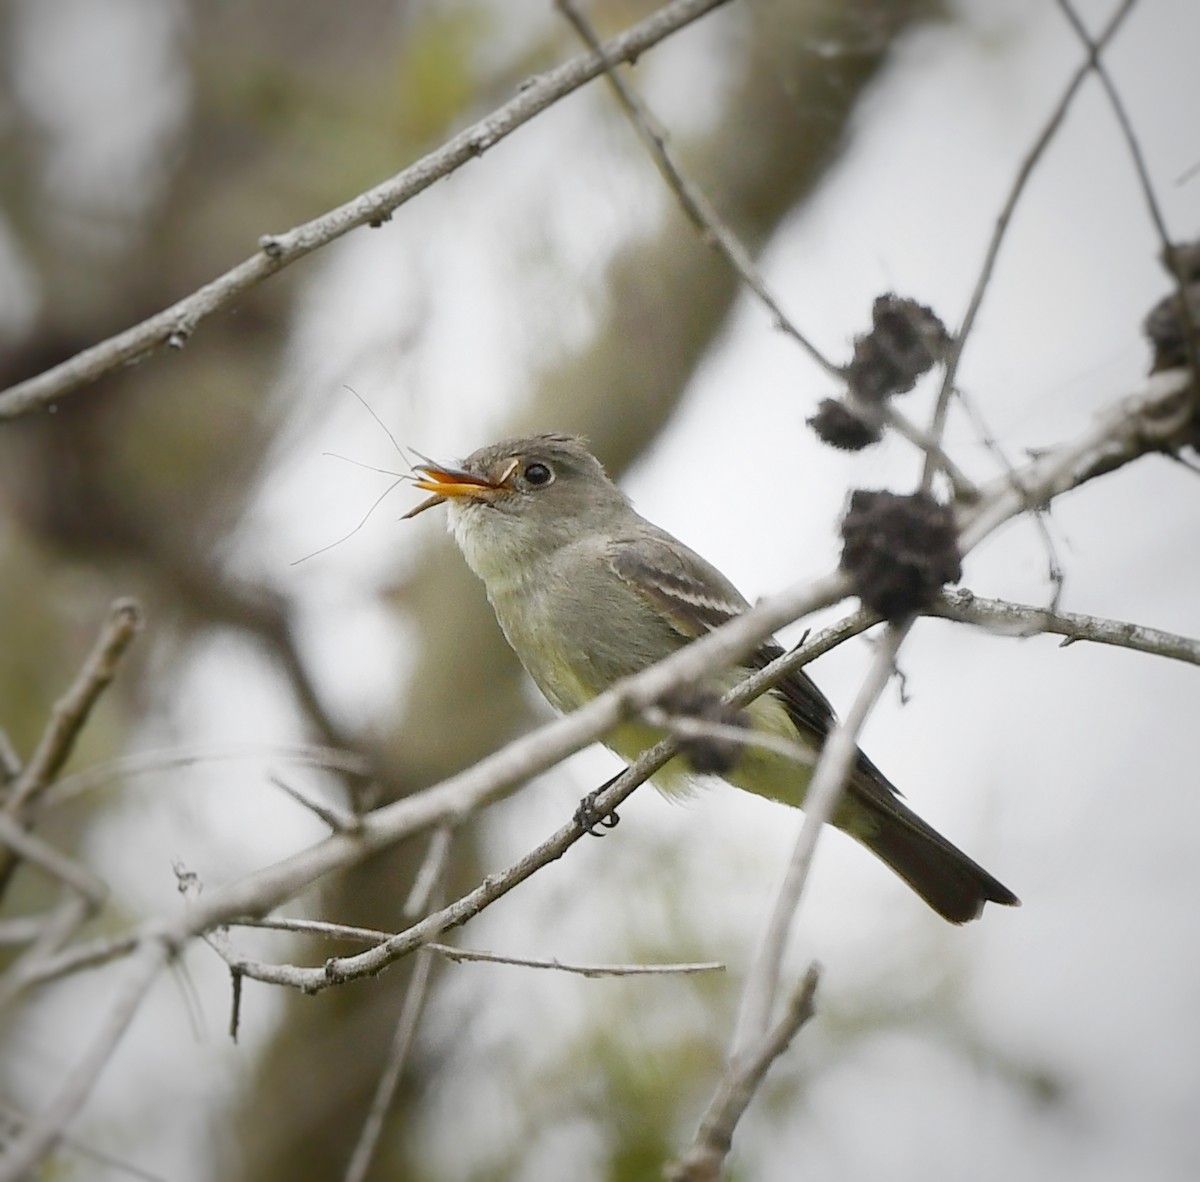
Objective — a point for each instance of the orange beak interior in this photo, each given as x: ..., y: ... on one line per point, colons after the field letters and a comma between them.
x: 445, y: 483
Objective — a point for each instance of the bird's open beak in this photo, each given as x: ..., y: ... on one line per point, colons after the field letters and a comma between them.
x: 446, y: 483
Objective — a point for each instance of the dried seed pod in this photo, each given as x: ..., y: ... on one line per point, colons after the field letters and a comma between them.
x: 899, y: 550
x: 906, y: 340
x: 839, y: 426
x: 708, y: 754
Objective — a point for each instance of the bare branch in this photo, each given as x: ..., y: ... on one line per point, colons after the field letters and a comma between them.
x: 824, y: 791
x: 691, y: 198
x: 1021, y: 619
x: 963, y: 486
x: 13, y: 1119
x: 313, y: 927
x: 174, y: 325
x: 43, y: 1131
x: 338, y: 819
x: 337, y: 931
x: 431, y: 872
x: 684, y: 726
x: 89, y: 955
x: 705, y: 1158
x: 757, y: 1042
x: 69, y: 787
x: 495, y: 886
x: 1143, y: 174
x: 498, y: 774
x: 406, y: 1029
x: 1025, y: 171
x: 10, y: 763
x: 1140, y: 423
x: 460, y: 955
x: 427, y: 891
x: 236, y: 980
x: 69, y: 714
x: 43, y: 855
x: 71, y: 710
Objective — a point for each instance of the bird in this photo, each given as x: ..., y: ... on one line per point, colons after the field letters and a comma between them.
x: 587, y: 591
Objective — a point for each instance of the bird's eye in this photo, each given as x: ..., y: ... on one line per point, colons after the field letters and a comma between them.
x: 538, y: 474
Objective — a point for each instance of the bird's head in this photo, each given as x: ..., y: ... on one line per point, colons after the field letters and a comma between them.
x: 513, y: 502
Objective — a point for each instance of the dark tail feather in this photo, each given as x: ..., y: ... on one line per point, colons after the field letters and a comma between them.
x: 951, y: 883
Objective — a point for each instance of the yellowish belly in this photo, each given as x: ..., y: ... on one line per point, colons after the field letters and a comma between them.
x: 762, y: 772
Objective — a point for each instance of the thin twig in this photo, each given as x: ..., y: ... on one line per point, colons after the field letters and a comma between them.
x: 313, y: 927
x: 584, y: 970
x: 87, y: 895
x: 715, y: 232
x: 963, y: 486
x: 337, y: 931
x: 824, y: 791
x: 430, y: 873
x: 17, y: 1119
x: 758, y: 1041
x: 67, y: 788
x: 1143, y: 174
x: 236, y: 980
x: 10, y: 762
x: 1024, y: 172
x: 89, y: 955
x: 1134, y: 426
x: 338, y: 819
x: 1054, y: 570
x: 174, y: 325
x: 705, y: 1158
x: 43, y: 1131
x: 69, y: 714
x: 52, y: 861
x: 415, y: 998
x: 686, y: 726
x: 71, y: 710
x: 1021, y: 619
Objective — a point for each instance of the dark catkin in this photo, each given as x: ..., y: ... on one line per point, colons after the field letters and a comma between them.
x: 839, y: 426
x: 707, y: 754
x: 906, y: 340
x: 899, y: 550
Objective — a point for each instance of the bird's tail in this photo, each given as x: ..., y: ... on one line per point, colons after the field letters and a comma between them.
x: 955, y: 886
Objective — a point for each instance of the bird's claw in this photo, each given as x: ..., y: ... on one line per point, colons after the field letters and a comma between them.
x: 590, y: 820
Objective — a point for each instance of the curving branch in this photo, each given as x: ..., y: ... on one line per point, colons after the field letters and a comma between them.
x: 174, y: 325
x: 691, y: 198
x: 704, y: 1159
x: 987, y: 268
x: 70, y: 712
x: 1023, y: 619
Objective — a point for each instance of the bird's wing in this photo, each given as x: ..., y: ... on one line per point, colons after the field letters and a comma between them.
x: 691, y: 594
x: 695, y: 598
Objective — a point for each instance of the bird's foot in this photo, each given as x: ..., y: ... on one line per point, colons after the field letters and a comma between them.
x: 589, y: 819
